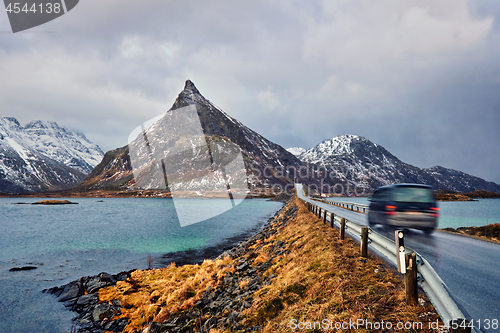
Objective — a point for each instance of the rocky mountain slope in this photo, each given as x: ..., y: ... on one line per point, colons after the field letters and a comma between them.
x: 113, y: 172
x: 43, y: 156
x: 356, y: 159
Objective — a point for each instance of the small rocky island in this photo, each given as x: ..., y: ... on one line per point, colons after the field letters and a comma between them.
x: 55, y: 202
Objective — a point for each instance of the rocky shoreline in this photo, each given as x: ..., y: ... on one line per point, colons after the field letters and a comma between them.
x: 218, y: 307
x: 82, y: 297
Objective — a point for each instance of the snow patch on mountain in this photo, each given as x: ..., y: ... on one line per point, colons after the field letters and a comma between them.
x: 296, y: 150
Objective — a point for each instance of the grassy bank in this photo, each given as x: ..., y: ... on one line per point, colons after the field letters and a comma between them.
x: 454, y: 196
x: 490, y: 232
x: 295, y: 272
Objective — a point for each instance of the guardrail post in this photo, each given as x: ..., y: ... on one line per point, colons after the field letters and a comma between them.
x: 342, y: 228
x: 411, y: 279
x: 364, y: 242
x: 324, y: 217
x: 332, y: 219
x: 319, y: 212
x: 460, y: 326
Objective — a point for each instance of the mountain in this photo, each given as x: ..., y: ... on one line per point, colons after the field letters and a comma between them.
x: 113, y: 172
x: 265, y: 162
x: 43, y: 156
x: 356, y: 159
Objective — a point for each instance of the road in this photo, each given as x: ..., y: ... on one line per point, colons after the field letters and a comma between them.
x: 469, y: 267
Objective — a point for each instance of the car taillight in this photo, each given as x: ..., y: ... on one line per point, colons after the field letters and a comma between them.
x: 389, y: 210
x: 435, y: 212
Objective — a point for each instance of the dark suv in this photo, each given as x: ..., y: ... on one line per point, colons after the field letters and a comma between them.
x: 404, y: 205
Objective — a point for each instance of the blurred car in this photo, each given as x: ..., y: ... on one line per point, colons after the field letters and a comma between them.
x: 404, y: 205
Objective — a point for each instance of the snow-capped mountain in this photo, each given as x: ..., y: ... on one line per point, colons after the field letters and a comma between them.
x: 358, y: 160
x: 341, y: 145
x: 262, y: 158
x: 43, y: 156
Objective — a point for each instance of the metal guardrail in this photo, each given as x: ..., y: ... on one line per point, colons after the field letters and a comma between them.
x: 427, y: 277
x: 356, y: 207
x: 437, y: 291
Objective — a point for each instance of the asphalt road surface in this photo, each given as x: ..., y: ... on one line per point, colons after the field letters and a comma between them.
x: 469, y: 267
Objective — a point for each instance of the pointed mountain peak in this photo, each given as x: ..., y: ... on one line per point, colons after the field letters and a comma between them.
x: 190, y: 87
x: 189, y: 95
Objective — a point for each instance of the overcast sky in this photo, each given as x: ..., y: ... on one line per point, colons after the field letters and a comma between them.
x: 421, y: 78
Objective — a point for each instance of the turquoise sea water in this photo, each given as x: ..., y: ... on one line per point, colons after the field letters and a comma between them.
x: 98, y: 235
x: 455, y: 214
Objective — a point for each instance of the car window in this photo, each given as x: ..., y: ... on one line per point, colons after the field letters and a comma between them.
x: 413, y: 194
x: 380, y: 195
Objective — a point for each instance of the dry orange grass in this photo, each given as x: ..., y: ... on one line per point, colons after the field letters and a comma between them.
x: 323, y: 278
x: 153, y: 295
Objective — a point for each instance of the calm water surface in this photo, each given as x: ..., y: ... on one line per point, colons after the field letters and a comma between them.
x: 69, y: 241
